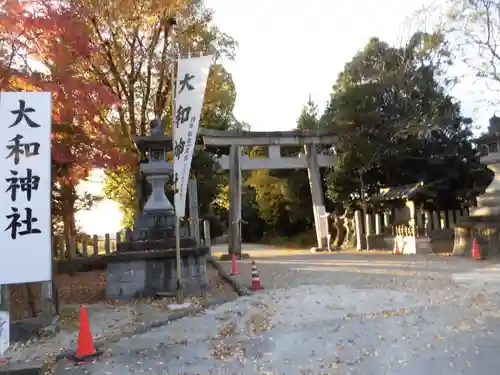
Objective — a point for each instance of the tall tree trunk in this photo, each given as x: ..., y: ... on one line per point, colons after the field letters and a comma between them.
x: 68, y: 215
x: 348, y: 225
x: 332, y: 224
x: 341, y: 230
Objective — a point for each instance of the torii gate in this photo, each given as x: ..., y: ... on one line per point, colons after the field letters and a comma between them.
x: 236, y: 162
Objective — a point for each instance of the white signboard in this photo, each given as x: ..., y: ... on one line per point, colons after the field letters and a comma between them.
x: 192, y: 75
x: 25, y: 242
x: 4, y: 331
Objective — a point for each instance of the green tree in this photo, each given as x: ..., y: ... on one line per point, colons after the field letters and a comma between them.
x: 298, y: 180
x: 283, y: 197
x: 396, y: 124
x: 119, y: 187
x: 271, y: 195
x: 134, y: 62
x: 309, y: 117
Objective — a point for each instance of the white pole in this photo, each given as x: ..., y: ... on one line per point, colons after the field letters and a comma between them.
x: 180, y: 297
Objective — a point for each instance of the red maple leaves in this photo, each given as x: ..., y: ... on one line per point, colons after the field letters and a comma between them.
x: 46, y: 46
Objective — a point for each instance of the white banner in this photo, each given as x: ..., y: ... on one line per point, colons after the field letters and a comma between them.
x: 192, y: 75
x: 25, y: 236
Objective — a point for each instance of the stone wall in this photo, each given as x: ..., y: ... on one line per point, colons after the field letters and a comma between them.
x: 131, y: 277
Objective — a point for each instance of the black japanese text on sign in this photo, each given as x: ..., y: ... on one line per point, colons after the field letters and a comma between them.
x: 190, y: 141
x: 21, y: 220
x: 181, y: 147
x: 182, y: 116
x: 185, y: 83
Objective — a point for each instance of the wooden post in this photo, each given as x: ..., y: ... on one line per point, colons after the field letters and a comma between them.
x: 387, y: 222
x: 450, y: 221
x: 71, y: 255
x: 107, y: 247
x: 378, y: 223
x: 72, y: 248
x: 368, y: 229
x: 358, y: 222
x: 85, y: 251
x: 436, y: 220
x: 118, y: 240
x: 61, y: 245
x: 95, y: 245
x: 419, y: 217
x: 428, y: 222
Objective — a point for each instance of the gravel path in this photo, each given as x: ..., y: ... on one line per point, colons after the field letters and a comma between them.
x: 367, y: 314
x: 357, y: 270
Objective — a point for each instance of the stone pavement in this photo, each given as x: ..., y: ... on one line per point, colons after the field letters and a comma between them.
x: 332, y: 314
x: 114, y: 320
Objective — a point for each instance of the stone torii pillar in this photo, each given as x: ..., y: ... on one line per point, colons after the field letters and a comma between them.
x: 318, y: 202
x: 273, y: 141
x: 234, y: 236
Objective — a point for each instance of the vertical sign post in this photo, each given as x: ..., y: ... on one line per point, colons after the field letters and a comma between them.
x: 192, y: 76
x: 25, y: 236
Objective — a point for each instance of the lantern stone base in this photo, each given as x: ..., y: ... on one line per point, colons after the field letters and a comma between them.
x: 485, y: 229
x: 149, y: 273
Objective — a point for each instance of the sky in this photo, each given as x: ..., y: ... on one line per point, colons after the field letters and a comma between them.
x: 105, y: 216
x: 290, y: 50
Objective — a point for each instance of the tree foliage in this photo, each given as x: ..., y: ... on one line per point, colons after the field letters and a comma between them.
x: 47, y: 46
x: 397, y: 124
x: 140, y: 44
x: 309, y: 116
x: 137, y: 44
x: 44, y: 46
x: 474, y: 28
x: 283, y: 197
x: 119, y: 186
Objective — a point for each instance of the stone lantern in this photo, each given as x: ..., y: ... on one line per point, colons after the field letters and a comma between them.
x: 489, y: 147
x: 484, y: 221
x: 145, y: 263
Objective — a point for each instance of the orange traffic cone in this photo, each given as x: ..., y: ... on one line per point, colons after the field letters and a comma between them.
x: 85, y: 350
x: 396, y: 250
x: 255, y: 278
x: 476, y: 254
x: 234, y: 266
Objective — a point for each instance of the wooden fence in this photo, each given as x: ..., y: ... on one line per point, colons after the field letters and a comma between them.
x: 86, y: 246
x: 87, y: 253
